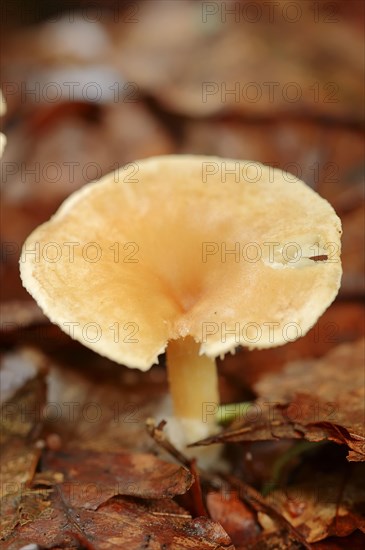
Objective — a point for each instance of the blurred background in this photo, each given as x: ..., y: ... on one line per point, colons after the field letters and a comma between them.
x: 90, y: 86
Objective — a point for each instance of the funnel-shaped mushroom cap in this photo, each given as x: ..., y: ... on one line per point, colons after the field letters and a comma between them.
x: 228, y: 252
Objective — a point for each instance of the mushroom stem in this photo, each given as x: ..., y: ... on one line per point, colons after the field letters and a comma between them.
x: 193, y: 386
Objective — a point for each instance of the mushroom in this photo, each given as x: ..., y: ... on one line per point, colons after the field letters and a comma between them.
x: 188, y: 255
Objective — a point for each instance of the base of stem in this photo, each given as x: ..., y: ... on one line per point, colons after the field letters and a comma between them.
x: 183, y: 431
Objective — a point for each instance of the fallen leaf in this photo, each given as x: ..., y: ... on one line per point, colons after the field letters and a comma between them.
x: 91, y: 478
x: 18, y: 465
x: 333, y: 404
x: 119, y: 523
x: 325, y: 505
x: 264, y: 507
x: 23, y: 395
x: 235, y: 517
x: 307, y: 400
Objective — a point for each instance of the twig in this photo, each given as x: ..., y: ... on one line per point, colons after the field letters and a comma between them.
x: 157, y: 433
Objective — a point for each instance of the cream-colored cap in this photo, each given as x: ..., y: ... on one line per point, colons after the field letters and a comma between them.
x: 230, y: 252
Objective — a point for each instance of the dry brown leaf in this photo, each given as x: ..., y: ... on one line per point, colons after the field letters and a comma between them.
x: 18, y: 465
x: 327, y: 395
x: 23, y: 396
x: 325, y: 505
x: 318, y: 400
x: 91, y: 478
x: 234, y: 516
x: 119, y: 523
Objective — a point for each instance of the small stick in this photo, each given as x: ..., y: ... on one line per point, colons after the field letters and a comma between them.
x: 156, y: 432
